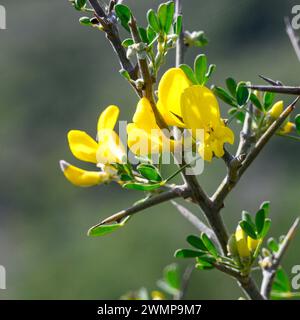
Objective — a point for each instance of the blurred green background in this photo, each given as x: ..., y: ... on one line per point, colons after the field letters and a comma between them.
x: 57, y: 75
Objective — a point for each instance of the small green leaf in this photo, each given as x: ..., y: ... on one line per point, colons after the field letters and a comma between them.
x: 248, y: 229
x: 170, y: 16
x: 225, y: 96
x: 260, y: 220
x: 85, y: 21
x: 297, y: 123
x: 268, y: 100
x: 200, y: 67
x: 256, y: 102
x: 127, y: 42
x: 143, y: 35
x: 149, y: 172
x: 142, y: 186
x: 273, y: 245
x: 196, y: 242
x: 247, y: 217
x: 266, y: 206
x: 211, y: 69
x: 188, y: 72
x: 187, y: 253
x: 79, y: 4
x: 102, y: 230
x: 172, y: 276
x: 165, y: 15
x: 124, y: 14
x: 205, y: 262
x: 209, y: 245
x: 178, y: 25
x: 231, y: 85
x: 153, y: 21
x: 266, y: 228
x: 281, y: 281
x: 242, y: 94
x: 151, y: 34
x: 125, y: 74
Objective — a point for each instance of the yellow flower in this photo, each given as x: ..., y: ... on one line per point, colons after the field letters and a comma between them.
x: 252, y: 244
x: 144, y: 135
x: 287, y: 128
x: 104, y: 152
x: 193, y: 107
x: 276, y: 109
x: 241, y: 242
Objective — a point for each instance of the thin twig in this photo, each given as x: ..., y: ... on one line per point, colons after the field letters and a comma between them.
x: 277, y: 89
x: 295, y: 41
x: 176, y: 192
x: 186, y: 277
x: 270, y: 272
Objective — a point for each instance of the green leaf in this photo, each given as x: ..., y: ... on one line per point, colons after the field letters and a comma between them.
x: 149, y: 172
x: 165, y: 15
x: 85, y: 21
x: 266, y: 228
x: 79, y: 4
x: 124, y: 73
x: 124, y: 15
x: 209, y: 245
x: 248, y: 229
x: 266, y: 206
x: 178, y: 25
x: 231, y: 85
x: 242, y: 94
x: 151, y: 34
x: 153, y: 21
x: 211, y: 69
x: 196, y: 242
x: 102, y: 230
x: 188, y: 72
x: 223, y: 95
x: 172, y: 276
x: 281, y: 281
x: 205, y: 262
x: 273, y: 245
x: 127, y: 42
x: 143, y: 35
x: 297, y: 123
x: 268, y: 100
x: 247, y: 217
x: 187, y: 253
x: 260, y: 220
x: 142, y: 186
x: 200, y: 67
x: 256, y: 102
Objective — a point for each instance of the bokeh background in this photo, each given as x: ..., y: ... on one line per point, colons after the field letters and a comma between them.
x: 56, y: 75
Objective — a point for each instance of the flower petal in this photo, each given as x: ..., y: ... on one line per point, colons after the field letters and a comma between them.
x: 144, y: 116
x: 199, y: 107
x: 82, y: 178
x: 108, y: 118
x: 170, y: 88
x: 83, y: 146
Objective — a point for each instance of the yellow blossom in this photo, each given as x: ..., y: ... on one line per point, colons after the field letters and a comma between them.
x: 288, y: 128
x: 144, y: 135
x: 252, y: 244
x: 241, y: 242
x: 107, y: 150
x: 193, y: 107
x: 276, y: 109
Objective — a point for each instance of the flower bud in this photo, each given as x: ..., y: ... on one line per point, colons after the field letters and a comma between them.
x: 276, y: 110
x: 252, y: 244
x: 242, y: 246
x: 288, y: 128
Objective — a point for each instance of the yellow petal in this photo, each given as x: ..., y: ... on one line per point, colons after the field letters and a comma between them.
x: 276, y: 110
x: 241, y: 242
x: 82, y: 178
x: 144, y: 116
x: 111, y: 149
x: 199, y: 107
x: 108, y: 118
x: 252, y: 244
x: 288, y: 128
x: 205, y: 151
x: 82, y: 146
x: 170, y: 88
